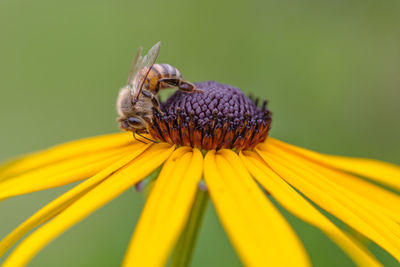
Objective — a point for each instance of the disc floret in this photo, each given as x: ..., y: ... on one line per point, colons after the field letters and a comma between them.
x: 222, y: 117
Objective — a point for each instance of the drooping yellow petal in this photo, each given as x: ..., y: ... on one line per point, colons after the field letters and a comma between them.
x: 297, y: 205
x: 382, y: 172
x: 68, y: 171
x: 259, y: 233
x: 65, y: 200
x: 328, y: 178
x: 107, y: 190
x: 65, y: 151
x: 344, y: 205
x: 167, y: 209
x: 375, y: 198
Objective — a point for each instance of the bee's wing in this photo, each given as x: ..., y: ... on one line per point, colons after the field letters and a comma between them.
x: 135, y: 67
x: 146, y: 65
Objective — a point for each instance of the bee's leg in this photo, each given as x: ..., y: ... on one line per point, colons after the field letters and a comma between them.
x: 182, y: 85
x: 154, y: 100
x: 143, y: 137
x: 147, y: 94
x: 134, y: 136
x: 189, y: 87
x: 172, y: 82
x: 157, y: 105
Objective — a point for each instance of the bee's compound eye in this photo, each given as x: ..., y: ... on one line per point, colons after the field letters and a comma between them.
x: 134, y: 121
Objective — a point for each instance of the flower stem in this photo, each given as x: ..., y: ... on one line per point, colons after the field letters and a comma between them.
x: 184, y: 248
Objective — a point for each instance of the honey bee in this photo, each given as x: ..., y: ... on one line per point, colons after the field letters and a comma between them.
x: 137, y: 99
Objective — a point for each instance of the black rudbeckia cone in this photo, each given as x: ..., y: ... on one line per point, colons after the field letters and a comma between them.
x: 221, y: 117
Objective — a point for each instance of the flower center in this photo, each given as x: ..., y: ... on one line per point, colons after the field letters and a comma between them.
x: 222, y: 117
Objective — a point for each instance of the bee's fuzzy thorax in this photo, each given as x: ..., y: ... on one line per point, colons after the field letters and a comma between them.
x: 222, y: 117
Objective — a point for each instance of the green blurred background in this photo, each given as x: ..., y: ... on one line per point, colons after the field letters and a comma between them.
x: 330, y: 70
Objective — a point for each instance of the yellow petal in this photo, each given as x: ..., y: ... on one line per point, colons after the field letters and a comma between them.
x: 65, y: 151
x: 259, y: 233
x: 107, y: 190
x: 382, y: 172
x: 62, y: 202
x: 375, y: 198
x: 344, y: 205
x: 297, y: 205
x: 329, y: 178
x: 167, y: 209
x: 68, y: 171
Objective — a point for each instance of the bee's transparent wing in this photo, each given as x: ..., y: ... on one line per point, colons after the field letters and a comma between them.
x: 145, y: 65
x: 135, y: 67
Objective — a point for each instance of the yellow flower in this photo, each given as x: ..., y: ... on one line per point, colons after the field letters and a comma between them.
x: 236, y: 174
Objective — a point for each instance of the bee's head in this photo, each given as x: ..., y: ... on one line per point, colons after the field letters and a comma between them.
x: 133, y: 124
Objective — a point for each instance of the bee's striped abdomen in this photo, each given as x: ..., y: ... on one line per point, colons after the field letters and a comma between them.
x: 167, y: 71
x: 158, y: 72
